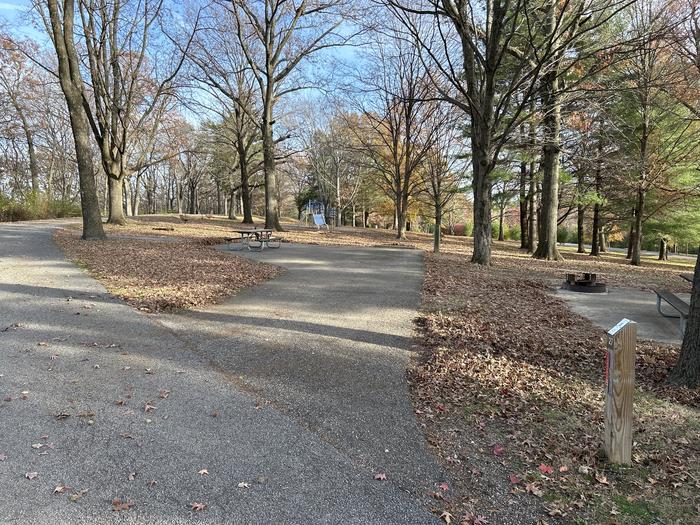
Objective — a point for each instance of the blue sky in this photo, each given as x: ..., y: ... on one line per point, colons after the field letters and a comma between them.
x: 14, y: 14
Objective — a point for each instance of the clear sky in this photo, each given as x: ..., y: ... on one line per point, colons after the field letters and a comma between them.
x: 15, y: 15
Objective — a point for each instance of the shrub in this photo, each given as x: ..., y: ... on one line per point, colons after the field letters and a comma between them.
x: 35, y: 208
x: 565, y: 235
x: 513, y: 233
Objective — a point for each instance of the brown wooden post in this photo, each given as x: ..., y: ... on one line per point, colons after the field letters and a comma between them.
x: 622, y: 343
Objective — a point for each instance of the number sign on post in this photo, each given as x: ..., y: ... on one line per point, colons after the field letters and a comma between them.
x: 619, y: 393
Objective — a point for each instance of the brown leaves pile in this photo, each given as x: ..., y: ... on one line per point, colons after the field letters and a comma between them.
x: 156, y: 276
x: 505, y: 360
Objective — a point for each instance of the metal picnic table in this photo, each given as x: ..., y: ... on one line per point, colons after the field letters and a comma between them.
x: 254, y: 238
x: 687, y: 276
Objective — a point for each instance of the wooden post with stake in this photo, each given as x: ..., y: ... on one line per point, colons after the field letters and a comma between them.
x: 619, y: 390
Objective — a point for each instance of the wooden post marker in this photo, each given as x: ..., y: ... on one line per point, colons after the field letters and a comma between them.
x: 619, y: 391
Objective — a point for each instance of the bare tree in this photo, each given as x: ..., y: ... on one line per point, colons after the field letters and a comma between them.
x: 59, y: 22
x: 443, y: 172
x: 222, y: 68
x: 128, y: 90
x: 276, y: 36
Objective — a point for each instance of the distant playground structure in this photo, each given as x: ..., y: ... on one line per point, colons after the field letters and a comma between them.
x: 314, y: 211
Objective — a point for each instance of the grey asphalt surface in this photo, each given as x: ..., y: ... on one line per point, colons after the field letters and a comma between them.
x: 607, y: 309
x: 328, y: 343
x: 309, y: 455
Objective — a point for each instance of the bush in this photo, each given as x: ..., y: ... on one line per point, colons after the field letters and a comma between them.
x: 12, y: 211
x: 513, y: 233
x: 565, y: 235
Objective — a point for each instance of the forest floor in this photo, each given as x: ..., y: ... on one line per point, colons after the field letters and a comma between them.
x: 510, y: 384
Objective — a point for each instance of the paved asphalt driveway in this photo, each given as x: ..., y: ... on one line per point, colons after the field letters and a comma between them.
x: 326, y: 344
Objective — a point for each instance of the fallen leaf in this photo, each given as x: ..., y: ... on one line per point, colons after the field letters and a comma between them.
x: 514, y: 479
x: 243, y: 485
x: 446, y: 517
x: 497, y: 450
x: 203, y: 472
x: 119, y: 505
x: 380, y: 476
x: 600, y: 478
x: 534, y: 489
x: 196, y: 506
x: 60, y: 489
x: 31, y: 475
x: 75, y: 497
x: 545, y: 469
x: 444, y: 487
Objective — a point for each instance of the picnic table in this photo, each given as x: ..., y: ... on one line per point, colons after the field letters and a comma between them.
x: 687, y: 276
x: 256, y: 239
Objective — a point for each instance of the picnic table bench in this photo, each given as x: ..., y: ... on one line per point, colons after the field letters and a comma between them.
x: 675, y: 302
x: 255, y: 239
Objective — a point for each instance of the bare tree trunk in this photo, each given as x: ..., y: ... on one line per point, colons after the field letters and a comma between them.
x: 501, y: 213
x: 62, y: 36
x: 603, y: 241
x: 245, y: 184
x: 532, y: 211
x: 579, y: 229
x: 636, y: 258
x: 232, y: 205
x: 524, y: 201
x: 438, y: 224
x: 29, y: 136
x: 551, y: 106
x: 630, y: 237
x: 115, y: 186
x: 663, y: 249
x: 547, y: 245
x: 595, y: 234
x: 687, y: 369
x: 272, y: 219
x: 481, y: 186
x: 127, y: 197
x: 135, y: 199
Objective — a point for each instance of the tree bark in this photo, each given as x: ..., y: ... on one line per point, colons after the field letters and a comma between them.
x: 271, y: 205
x: 686, y: 372
x: 31, y: 149
x: 524, y: 201
x: 551, y: 106
x: 579, y: 229
x: 115, y: 186
x: 481, y: 186
x: 501, y: 213
x: 438, y: 223
x: 630, y: 237
x: 663, y: 249
x: 532, y: 211
x: 232, y: 205
x: 603, y: 241
x: 62, y: 36
x: 636, y: 258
